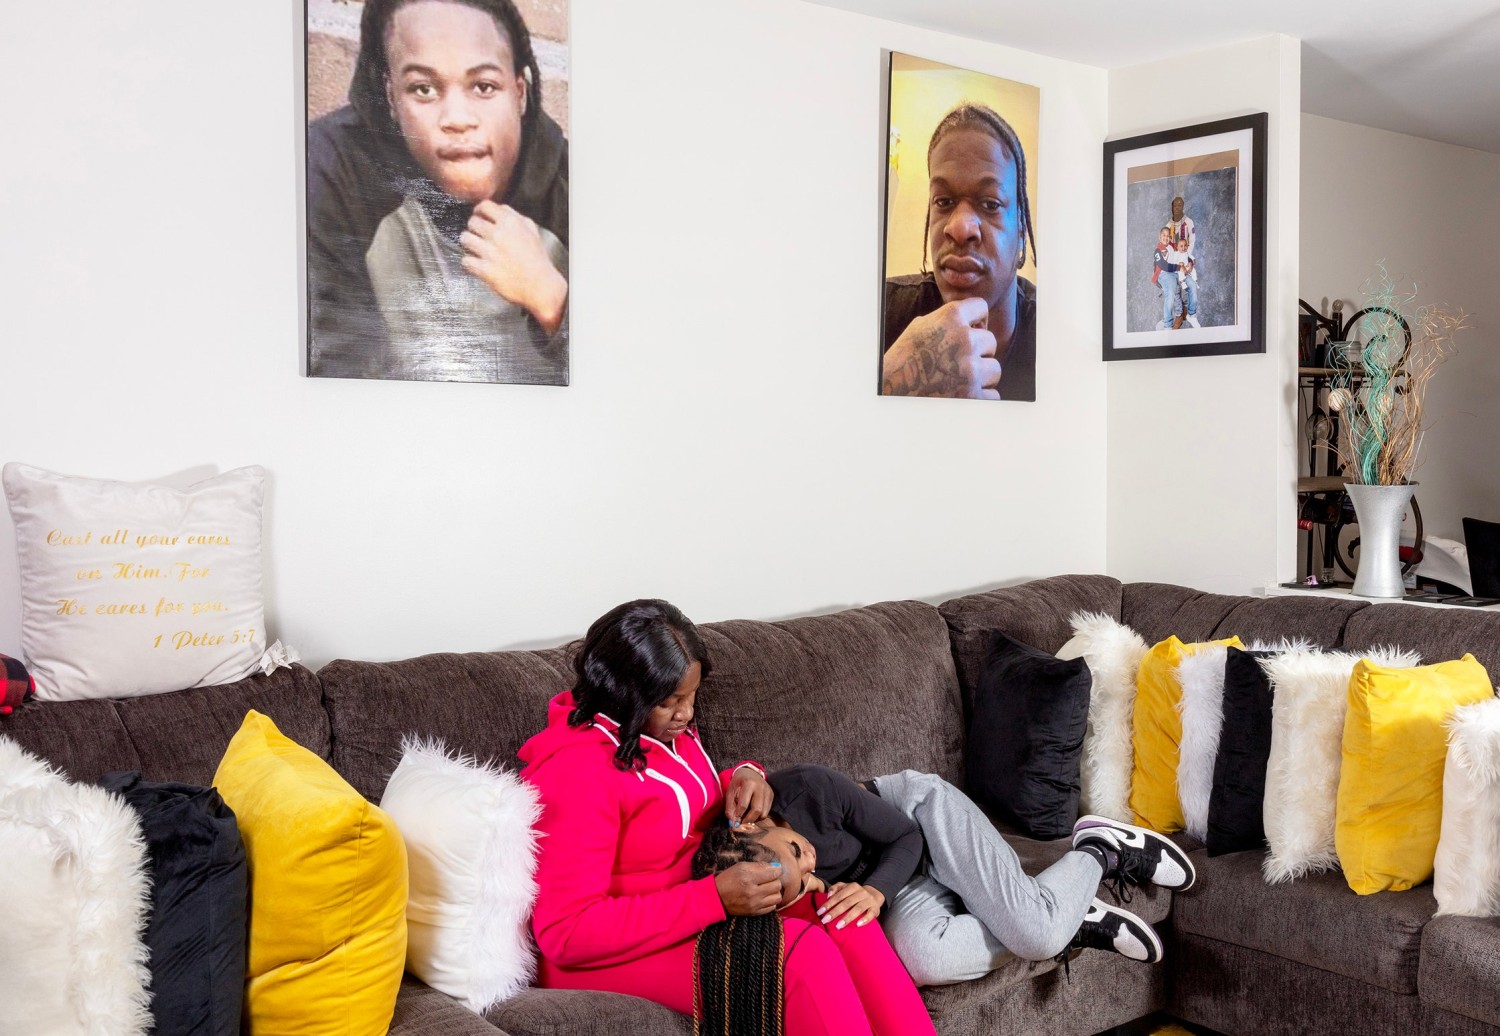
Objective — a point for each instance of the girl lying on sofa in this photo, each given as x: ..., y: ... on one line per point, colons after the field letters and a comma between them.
x: 952, y: 897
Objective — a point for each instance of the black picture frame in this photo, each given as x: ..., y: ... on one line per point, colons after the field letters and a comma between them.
x: 1221, y: 167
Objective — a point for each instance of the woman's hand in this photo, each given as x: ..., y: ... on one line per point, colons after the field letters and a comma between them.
x: 850, y: 902
x: 749, y: 797
x: 747, y: 889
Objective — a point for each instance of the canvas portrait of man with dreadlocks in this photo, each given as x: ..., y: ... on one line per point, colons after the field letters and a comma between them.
x: 959, y: 290
x: 437, y: 190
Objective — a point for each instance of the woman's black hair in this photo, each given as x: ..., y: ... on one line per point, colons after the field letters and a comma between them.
x: 981, y: 117
x: 631, y: 660
x: 367, y: 90
x: 738, y: 971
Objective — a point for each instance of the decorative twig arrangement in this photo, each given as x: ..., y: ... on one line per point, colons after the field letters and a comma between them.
x: 1382, y: 413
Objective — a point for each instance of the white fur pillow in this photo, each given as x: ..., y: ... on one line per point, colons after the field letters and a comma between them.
x: 1310, y: 696
x: 1201, y: 676
x: 134, y: 588
x: 471, y: 852
x: 1467, y: 869
x: 74, y: 960
x: 1113, y: 652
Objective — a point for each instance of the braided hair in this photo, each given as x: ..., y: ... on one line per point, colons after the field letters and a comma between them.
x: 984, y: 118
x: 737, y: 963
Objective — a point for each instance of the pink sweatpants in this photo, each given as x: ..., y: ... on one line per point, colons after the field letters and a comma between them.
x: 839, y: 982
x: 889, y: 998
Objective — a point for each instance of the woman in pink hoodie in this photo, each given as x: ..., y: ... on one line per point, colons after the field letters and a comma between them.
x: 627, y: 791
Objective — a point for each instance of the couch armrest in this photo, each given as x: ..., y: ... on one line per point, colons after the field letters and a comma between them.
x: 423, y: 1011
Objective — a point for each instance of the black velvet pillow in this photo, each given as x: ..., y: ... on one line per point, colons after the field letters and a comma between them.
x: 199, y: 905
x: 1026, y: 736
x: 1235, y: 806
x: 1482, y: 540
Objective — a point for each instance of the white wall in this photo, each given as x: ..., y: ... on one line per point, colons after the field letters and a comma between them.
x: 721, y: 444
x: 1202, y: 462
x: 1432, y: 212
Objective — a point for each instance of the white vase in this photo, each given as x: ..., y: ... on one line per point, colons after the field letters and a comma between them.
x: 1380, y: 510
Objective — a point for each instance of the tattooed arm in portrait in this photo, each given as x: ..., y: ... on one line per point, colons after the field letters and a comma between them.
x: 948, y: 352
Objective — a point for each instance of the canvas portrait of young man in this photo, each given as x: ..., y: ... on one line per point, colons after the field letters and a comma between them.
x: 437, y: 191
x: 959, y: 295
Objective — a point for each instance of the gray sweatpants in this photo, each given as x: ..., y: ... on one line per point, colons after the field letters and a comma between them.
x: 974, y: 907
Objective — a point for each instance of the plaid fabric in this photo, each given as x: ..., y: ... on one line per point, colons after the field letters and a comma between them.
x: 16, y: 684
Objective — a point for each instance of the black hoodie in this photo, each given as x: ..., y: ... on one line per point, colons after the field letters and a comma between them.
x: 359, y: 171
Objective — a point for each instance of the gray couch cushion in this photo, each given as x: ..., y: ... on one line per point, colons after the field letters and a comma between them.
x: 1438, y: 634
x: 1461, y: 967
x: 575, y: 1012
x: 1034, y: 613
x: 1022, y: 998
x: 1319, y: 620
x: 1316, y: 920
x: 1232, y: 989
x: 423, y: 1011
x: 866, y: 691
x: 177, y: 736
x: 1446, y: 1023
x: 486, y: 705
x: 1160, y: 610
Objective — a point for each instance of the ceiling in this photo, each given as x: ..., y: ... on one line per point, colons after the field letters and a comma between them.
x: 1430, y: 70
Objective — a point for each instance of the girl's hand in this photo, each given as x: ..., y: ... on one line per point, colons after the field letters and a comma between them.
x: 749, y: 797
x: 850, y: 902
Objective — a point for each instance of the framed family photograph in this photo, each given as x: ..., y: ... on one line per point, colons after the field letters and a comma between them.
x: 437, y: 190
x: 1185, y: 241
x: 959, y: 269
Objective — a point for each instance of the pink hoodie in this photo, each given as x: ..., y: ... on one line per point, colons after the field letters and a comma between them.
x: 613, y: 863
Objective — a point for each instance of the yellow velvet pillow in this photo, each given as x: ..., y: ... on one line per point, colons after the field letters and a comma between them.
x: 1390, y: 803
x: 327, y: 890
x: 1156, y: 733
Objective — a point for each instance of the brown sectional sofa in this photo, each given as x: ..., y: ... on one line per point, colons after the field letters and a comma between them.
x: 873, y: 690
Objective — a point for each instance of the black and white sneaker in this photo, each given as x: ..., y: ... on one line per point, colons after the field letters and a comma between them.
x: 1108, y: 927
x: 1142, y: 856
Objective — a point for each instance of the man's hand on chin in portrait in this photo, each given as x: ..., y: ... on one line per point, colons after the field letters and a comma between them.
x: 948, y: 352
